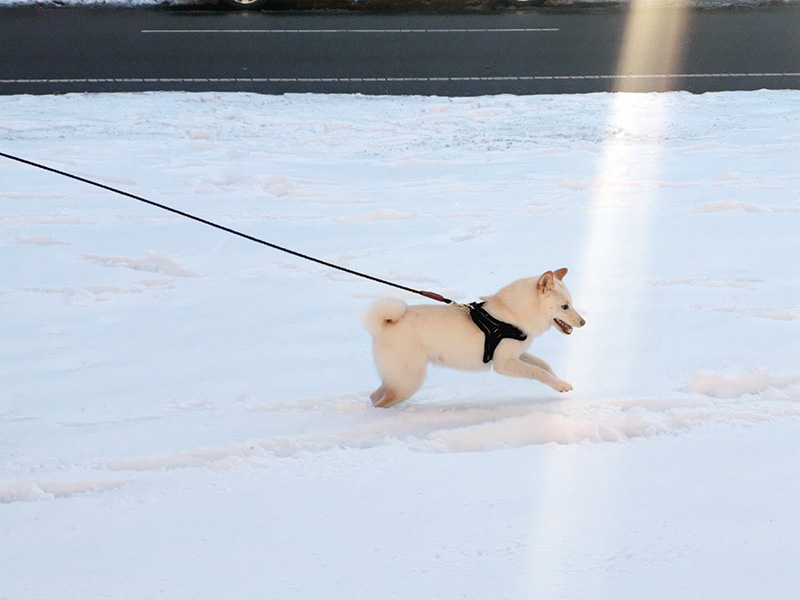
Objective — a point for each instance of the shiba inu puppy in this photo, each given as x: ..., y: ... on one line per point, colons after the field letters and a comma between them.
x: 407, y: 338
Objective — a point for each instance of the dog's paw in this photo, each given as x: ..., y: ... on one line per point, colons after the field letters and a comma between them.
x: 562, y: 386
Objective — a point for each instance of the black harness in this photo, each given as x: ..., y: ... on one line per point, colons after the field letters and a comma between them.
x: 494, y: 330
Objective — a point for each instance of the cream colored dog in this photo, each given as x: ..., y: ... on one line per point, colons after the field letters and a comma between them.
x: 407, y: 338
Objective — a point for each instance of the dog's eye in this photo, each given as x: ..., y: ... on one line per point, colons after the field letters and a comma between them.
x: 565, y: 306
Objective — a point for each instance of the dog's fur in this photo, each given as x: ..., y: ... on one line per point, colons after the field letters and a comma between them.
x: 407, y: 338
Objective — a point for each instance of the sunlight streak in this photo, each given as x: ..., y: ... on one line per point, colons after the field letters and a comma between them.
x: 623, y: 194
x: 653, y: 45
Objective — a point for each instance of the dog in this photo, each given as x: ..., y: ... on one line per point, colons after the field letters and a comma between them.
x: 406, y: 338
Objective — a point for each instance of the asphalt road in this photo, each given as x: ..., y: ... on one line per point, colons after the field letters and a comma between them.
x: 58, y: 50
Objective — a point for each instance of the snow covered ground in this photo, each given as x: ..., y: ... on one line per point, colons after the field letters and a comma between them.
x: 185, y: 414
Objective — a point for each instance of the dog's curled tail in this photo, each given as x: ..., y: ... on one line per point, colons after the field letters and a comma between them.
x: 382, y: 313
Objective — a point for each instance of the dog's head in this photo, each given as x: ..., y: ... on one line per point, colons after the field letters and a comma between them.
x: 555, y: 297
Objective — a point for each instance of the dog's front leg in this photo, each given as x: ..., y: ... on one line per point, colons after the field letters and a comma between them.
x: 515, y: 367
x: 536, y: 362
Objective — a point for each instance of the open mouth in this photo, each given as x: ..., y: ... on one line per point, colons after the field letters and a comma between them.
x: 564, y: 326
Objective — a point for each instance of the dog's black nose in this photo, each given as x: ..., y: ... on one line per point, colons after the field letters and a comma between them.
x: 583, y: 322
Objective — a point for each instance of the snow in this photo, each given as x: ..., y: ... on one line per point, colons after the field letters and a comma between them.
x: 185, y: 414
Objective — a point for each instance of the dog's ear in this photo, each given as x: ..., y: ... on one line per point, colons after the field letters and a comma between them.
x: 545, y: 283
x: 560, y: 273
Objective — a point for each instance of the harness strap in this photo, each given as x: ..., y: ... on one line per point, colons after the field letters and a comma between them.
x: 494, y: 330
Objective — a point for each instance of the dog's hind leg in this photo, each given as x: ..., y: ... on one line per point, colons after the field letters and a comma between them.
x: 399, y: 385
x: 383, y: 397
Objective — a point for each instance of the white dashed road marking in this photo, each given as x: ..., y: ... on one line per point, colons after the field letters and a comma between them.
x: 373, y: 31
x: 392, y: 79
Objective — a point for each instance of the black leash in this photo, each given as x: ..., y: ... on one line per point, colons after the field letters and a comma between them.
x: 494, y: 330
x: 431, y: 295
